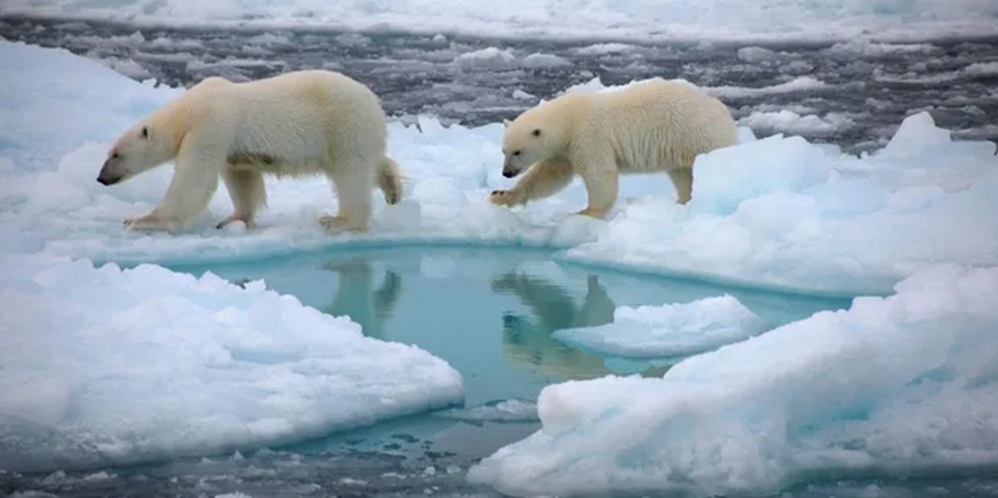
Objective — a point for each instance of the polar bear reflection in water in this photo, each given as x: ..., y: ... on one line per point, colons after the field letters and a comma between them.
x: 357, y: 297
x: 527, y: 343
x: 370, y: 298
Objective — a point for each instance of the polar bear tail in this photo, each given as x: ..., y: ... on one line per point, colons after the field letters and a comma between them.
x: 390, y: 180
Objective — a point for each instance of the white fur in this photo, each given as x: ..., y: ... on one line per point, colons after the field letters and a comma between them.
x: 292, y: 125
x: 650, y: 127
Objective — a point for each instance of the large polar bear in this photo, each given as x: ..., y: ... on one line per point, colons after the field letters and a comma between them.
x: 648, y: 127
x: 291, y: 125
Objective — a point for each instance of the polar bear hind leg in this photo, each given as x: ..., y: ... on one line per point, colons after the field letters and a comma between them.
x: 682, y: 180
x: 390, y: 180
x: 354, y: 182
x: 248, y: 192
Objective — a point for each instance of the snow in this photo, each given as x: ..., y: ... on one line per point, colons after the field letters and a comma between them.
x: 901, y: 383
x: 110, y: 366
x: 607, y: 20
x: 103, y: 365
x: 669, y: 330
x: 906, y: 385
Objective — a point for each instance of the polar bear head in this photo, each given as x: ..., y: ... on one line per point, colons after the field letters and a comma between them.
x: 142, y: 147
x: 539, y: 133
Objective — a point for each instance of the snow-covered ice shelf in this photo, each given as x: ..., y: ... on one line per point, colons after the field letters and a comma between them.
x: 104, y: 366
x: 904, y: 385
x: 903, y: 381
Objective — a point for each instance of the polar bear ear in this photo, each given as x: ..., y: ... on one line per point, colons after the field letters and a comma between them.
x: 506, y: 122
x: 536, y: 132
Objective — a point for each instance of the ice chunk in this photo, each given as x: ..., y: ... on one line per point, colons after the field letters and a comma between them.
x: 755, y: 55
x: 668, y: 330
x: 605, y: 49
x: 510, y: 410
x: 540, y: 60
x: 799, y: 84
x: 103, y: 366
x: 490, y: 56
x: 788, y: 121
x: 917, y: 135
x: 903, y: 385
x: 868, y: 49
x: 770, y: 165
x: 521, y: 95
x: 982, y: 69
x: 353, y: 39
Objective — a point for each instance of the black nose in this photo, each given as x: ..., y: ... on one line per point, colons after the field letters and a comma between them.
x: 507, y: 173
x: 107, y: 181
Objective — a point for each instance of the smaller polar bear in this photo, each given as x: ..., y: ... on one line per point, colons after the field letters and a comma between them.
x: 296, y: 124
x: 648, y: 127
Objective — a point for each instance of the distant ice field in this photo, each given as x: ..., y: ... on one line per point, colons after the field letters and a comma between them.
x: 651, y: 20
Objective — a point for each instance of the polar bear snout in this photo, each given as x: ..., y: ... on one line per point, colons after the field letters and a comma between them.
x: 510, y: 170
x: 110, y: 172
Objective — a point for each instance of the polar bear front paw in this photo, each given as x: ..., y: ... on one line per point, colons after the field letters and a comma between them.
x: 507, y: 198
x: 335, y: 224
x: 149, y: 223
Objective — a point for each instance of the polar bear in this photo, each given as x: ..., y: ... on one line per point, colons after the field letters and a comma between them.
x: 648, y: 127
x: 309, y: 122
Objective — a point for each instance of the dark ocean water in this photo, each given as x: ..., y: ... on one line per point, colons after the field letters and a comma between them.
x: 855, y: 94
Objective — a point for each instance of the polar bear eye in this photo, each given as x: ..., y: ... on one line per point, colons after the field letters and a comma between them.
x: 516, y: 152
x: 537, y: 133
x: 145, y: 132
